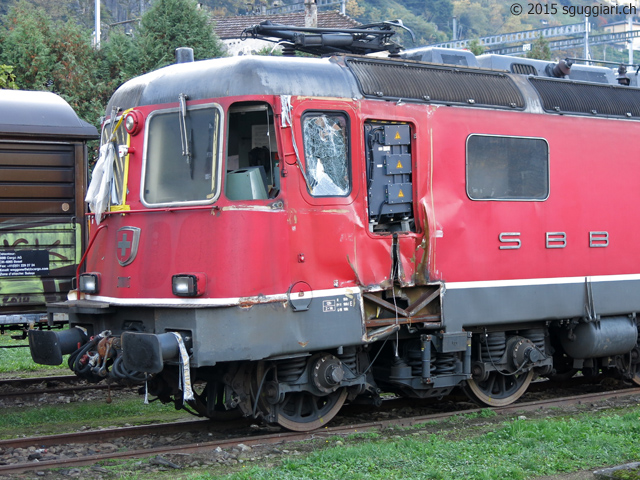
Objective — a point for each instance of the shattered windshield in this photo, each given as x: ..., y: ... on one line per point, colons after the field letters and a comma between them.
x: 182, y: 155
x: 326, y: 154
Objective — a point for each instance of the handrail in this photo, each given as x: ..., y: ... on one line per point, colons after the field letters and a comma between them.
x: 84, y: 257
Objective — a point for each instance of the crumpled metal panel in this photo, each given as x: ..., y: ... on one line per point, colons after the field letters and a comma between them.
x: 394, y: 79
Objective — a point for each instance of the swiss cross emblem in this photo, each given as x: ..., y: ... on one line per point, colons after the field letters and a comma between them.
x: 127, y: 239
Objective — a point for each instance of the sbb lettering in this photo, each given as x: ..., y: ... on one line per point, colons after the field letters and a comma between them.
x: 512, y: 240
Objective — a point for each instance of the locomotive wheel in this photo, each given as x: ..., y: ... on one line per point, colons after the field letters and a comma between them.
x: 302, y: 411
x: 499, y: 390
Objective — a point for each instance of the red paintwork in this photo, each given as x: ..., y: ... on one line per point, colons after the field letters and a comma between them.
x: 589, y: 182
x: 247, y: 252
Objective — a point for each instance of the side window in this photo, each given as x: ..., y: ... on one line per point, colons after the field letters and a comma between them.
x: 507, y: 168
x: 326, y: 153
x: 252, y: 171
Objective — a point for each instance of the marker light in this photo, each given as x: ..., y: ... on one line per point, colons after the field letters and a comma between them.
x: 90, y: 283
x: 188, y: 284
x: 133, y: 122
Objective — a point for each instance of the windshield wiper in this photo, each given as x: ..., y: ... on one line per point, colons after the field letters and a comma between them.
x: 184, y: 136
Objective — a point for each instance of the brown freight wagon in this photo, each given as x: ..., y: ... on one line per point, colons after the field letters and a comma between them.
x: 43, y: 175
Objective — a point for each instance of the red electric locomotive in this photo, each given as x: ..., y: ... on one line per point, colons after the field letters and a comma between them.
x: 274, y: 236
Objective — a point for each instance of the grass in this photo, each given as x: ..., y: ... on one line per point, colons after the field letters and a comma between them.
x: 62, y: 418
x: 516, y: 449
x: 17, y: 362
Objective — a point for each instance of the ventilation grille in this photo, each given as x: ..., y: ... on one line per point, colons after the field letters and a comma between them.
x: 581, y: 98
x: 397, y: 80
x: 523, y: 69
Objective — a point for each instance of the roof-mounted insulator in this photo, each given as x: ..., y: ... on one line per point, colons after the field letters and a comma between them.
x: 184, y: 55
x: 560, y: 69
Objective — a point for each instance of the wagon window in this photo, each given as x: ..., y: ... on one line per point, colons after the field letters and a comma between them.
x: 174, y: 174
x: 326, y: 153
x: 507, y: 168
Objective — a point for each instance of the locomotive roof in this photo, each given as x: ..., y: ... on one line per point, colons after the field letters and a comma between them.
x: 41, y: 113
x: 243, y: 75
x: 354, y: 76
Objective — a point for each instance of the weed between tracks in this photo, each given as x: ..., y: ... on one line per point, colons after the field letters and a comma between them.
x: 72, y: 417
x: 17, y: 362
x: 466, y: 449
x: 475, y: 446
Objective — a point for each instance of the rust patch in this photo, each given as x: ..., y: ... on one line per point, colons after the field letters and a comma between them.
x: 249, y: 302
x: 422, y: 268
x: 251, y: 208
x: 292, y: 217
x: 336, y: 211
x: 303, y: 344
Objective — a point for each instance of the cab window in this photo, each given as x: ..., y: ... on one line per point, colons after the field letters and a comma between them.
x: 252, y: 168
x: 181, y: 161
x: 326, y: 154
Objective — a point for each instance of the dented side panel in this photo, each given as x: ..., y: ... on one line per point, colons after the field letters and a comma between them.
x: 267, y: 330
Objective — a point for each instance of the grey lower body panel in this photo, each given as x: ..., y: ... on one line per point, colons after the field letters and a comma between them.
x: 263, y: 330
x: 493, y: 303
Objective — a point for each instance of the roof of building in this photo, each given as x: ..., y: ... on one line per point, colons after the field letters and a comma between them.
x: 232, y: 27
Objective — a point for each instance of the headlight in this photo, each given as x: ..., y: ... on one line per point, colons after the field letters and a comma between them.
x: 90, y: 283
x: 133, y: 122
x: 188, y: 284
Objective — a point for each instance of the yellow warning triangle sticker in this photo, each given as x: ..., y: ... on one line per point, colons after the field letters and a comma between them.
x: 398, y: 137
x: 399, y: 164
x: 400, y: 194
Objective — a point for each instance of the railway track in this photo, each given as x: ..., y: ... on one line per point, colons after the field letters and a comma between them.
x: 225, y: 439
x: 26, y: 389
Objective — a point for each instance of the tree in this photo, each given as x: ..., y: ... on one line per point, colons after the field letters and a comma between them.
x: 119, y: 58
x: 74, y: 72
x: 353, y: 9
x: 26, y: 46
x: 7, y: 79
x: 475, y: 47
x: 540, y: 49
x: 54, y: 56
x: 439, y: 12
x: 170, y: 24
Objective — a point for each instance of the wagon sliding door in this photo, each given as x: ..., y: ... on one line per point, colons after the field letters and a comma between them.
x: 40, y: 237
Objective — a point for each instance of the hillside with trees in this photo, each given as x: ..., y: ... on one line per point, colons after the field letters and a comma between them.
x: 52, y: 49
